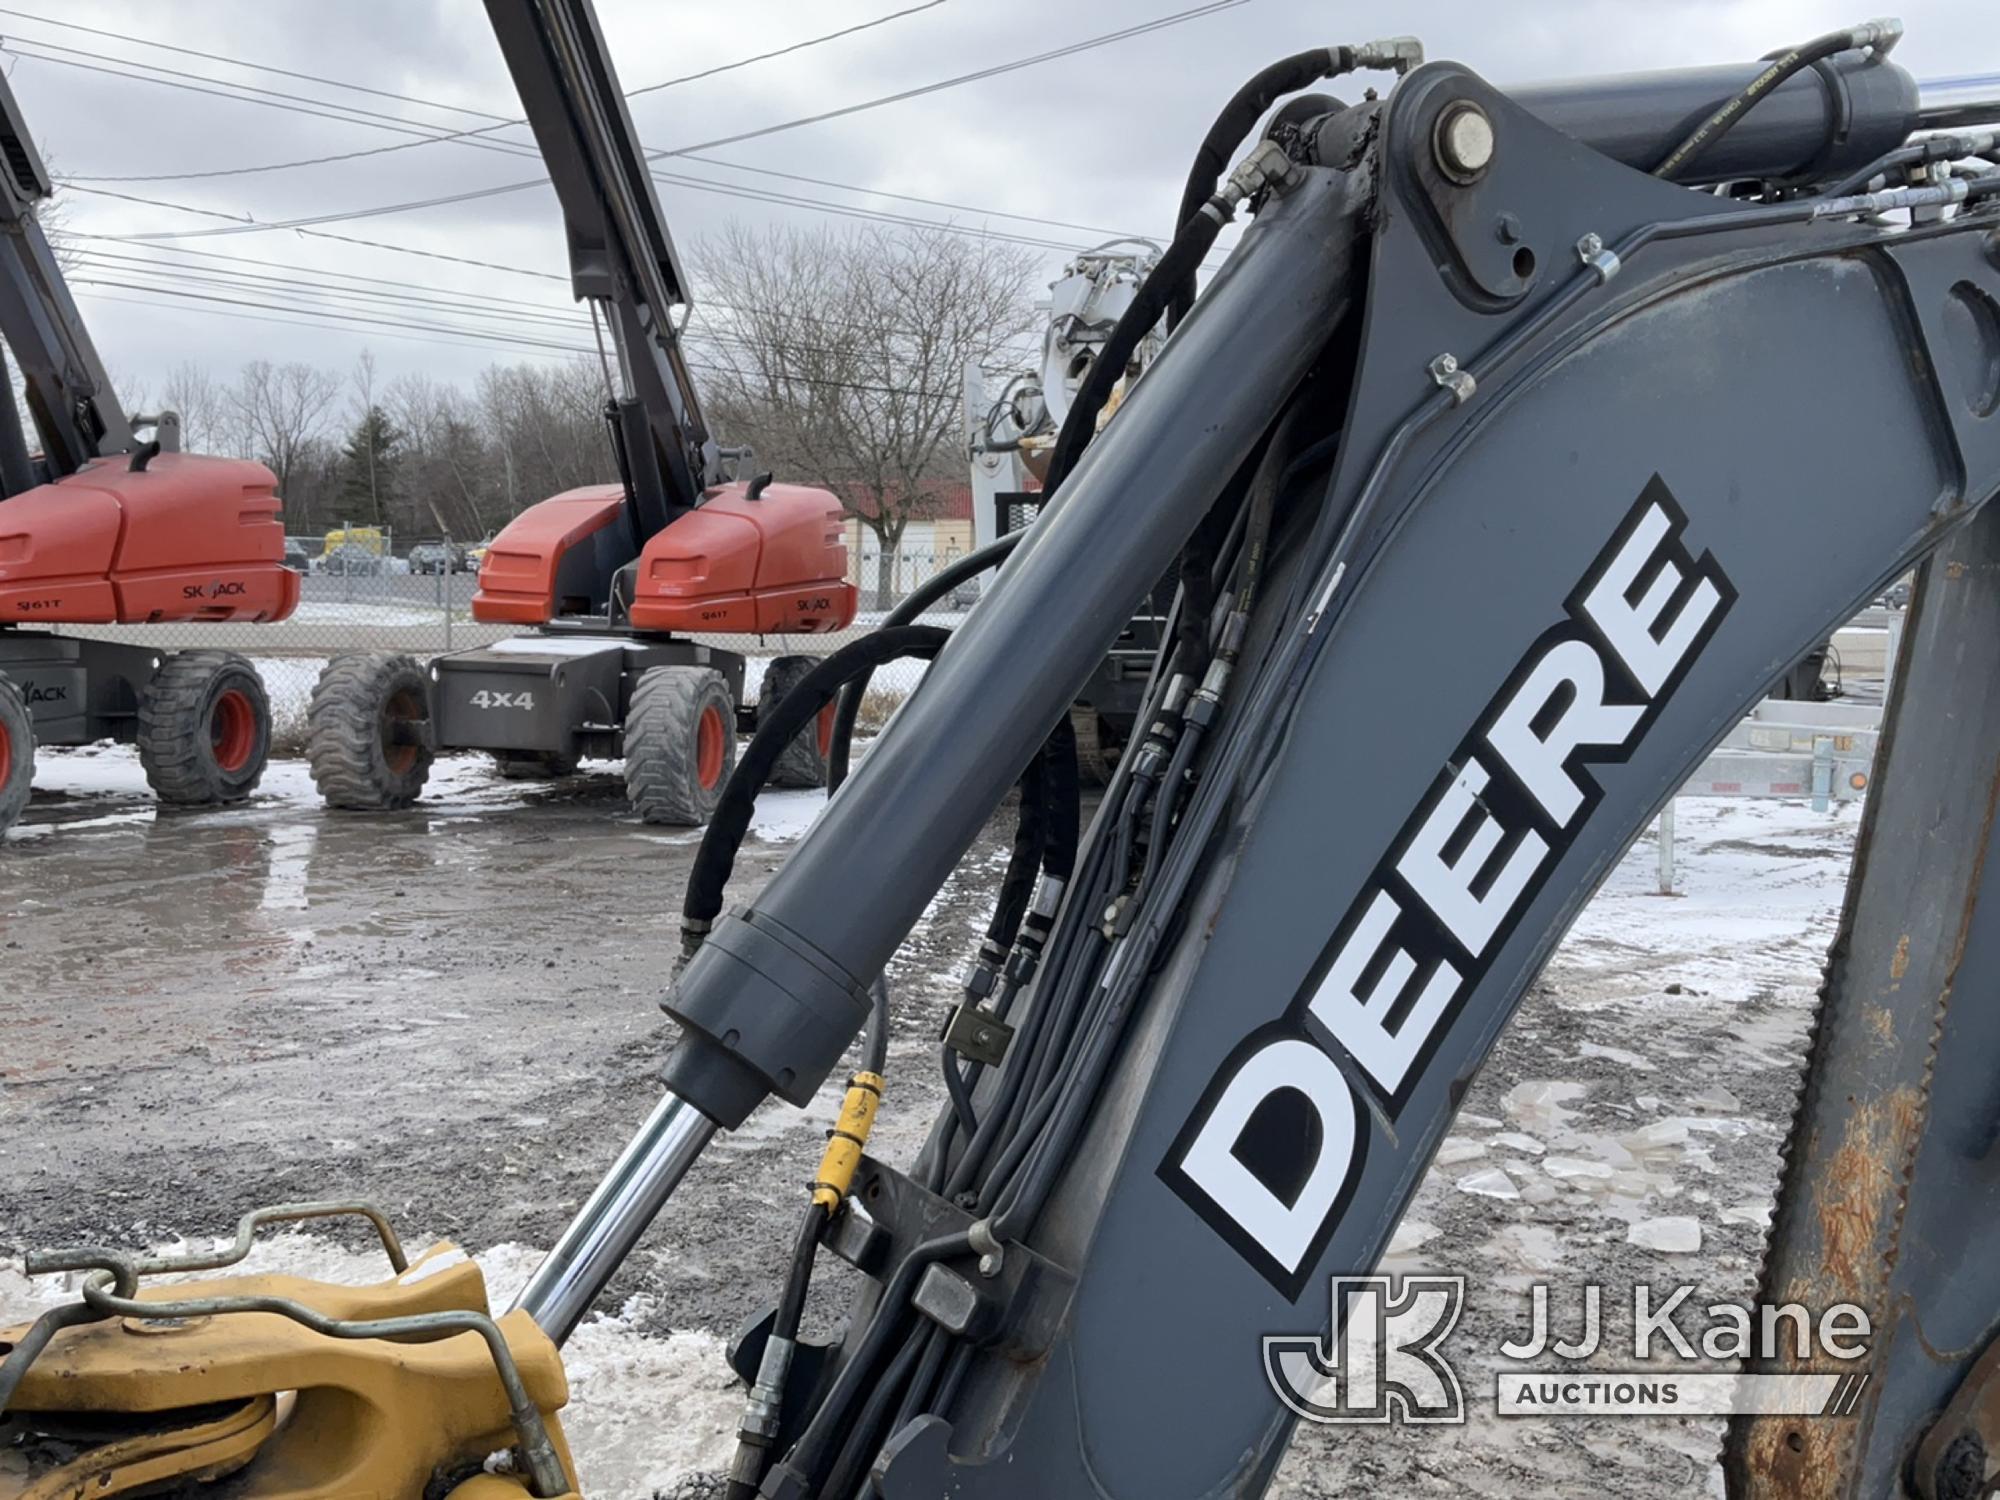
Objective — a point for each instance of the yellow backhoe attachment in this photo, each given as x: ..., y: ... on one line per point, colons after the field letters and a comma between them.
x: 294, y: 1389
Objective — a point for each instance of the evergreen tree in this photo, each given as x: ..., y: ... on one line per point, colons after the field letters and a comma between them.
x: 368, y: 464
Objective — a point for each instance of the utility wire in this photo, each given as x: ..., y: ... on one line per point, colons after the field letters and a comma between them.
x: 155, y: 45
x: 358, y: 322
x: 402, y: 283
x: 430, y: 300
x: 995, y: 70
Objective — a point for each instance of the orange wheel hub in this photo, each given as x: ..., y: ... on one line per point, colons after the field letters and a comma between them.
x: 232, y: 730
x: 402, y: 708
x: 710, y: 746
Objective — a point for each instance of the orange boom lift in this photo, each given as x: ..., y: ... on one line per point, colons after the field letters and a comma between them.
x: 608, y: 577
x: 100, y: 528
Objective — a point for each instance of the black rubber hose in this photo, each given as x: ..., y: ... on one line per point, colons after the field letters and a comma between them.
x: 1193, y: 241
x: 1024, y: 861
x: 798, y: 1280
x: 830, y: 1423
x: 919, y: 599
x: 1064, y: 796
x: 875, y: 1040
x: 1232, y: 126
x: 1783, y: 65
x: 799, y: 707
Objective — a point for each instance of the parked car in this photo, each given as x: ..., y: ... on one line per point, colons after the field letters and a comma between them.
x: 436, y: 557
x: 296, y: 556
x: 350, y: 561
x: 475, y: 555
x: 1898, y: 596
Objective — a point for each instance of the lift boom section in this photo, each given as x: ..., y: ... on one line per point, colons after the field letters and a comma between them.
x: 69, y: 394
x: 622, y: 259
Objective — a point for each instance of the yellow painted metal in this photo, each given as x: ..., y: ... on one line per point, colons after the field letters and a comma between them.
x: 204, y: 1450
x: 371, y: 1420
x: 846, y: 1140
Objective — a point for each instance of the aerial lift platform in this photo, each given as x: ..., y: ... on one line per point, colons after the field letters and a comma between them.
x: 100, y: 528
x: 610, y: 578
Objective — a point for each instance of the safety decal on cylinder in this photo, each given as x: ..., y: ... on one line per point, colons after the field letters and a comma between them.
x: 1274, y: 1149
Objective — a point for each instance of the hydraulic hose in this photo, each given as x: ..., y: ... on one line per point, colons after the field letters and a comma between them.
x: 914, y: 604
x: 1231, y: 128
x: 811, y: 694
x: 775, y: 993
x: 1192, y: 242
x: 1880, y: 35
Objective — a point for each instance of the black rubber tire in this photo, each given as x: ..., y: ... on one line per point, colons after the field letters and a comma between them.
x: 804, y: 760
x: 204, y: 729
x: 533, y: 765
x: 668, y: 746
x: 348, y: 732
x: 17, y: 754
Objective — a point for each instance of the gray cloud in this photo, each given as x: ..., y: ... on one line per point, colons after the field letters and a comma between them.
x: 1101, y: 138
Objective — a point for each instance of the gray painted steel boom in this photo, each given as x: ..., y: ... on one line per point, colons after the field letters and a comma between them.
x: 1611, y: 455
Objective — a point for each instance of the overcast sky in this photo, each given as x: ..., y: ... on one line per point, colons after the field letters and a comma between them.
x: 1098, y: 139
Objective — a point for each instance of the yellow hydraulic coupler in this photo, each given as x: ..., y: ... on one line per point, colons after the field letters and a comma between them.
x: 306, y: 1413
x: 844, y: 1143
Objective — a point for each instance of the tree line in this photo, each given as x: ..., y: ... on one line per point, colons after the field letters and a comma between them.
x: 838, y: 358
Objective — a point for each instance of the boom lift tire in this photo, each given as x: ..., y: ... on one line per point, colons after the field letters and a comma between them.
x: 804, y: 761
x: 368, y: 732
x: 17, y: 754
x: 204, y: 729
x: 680, y: 745
x: 533, y: 765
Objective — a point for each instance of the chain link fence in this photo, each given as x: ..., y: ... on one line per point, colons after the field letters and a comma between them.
x: 372, y: 591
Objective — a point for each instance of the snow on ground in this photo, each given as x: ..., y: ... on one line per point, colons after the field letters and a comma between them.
x: 111, y: 777
x: 621, y: 1381
x: 1627, y: 1125
x: 380, y: 616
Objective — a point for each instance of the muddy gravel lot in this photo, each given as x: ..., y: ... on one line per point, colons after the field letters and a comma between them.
x: 454, y: 1012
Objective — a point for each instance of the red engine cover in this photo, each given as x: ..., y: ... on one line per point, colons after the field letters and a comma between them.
x: 188, y: 538
x: 776, y: 565
x: 517, y: 577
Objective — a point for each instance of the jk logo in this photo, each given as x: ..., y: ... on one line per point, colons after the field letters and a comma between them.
x: 1385, y: 1365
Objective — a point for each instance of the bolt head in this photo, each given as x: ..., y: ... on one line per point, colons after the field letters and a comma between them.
x: 1507, y: 229
x: 1464, y: 142
x: 989, y: 1265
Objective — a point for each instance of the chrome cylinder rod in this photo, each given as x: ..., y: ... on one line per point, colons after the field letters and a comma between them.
x: 1958, y: 103
x: 628, y: 1199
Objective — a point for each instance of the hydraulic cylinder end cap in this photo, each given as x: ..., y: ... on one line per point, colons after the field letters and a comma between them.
x: 765, y: 1012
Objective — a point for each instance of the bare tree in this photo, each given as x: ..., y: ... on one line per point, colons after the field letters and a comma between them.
x: 282, y: 413
x: 192, y: 391
x: 838, y: 359
x: 448, y: 460
x: 547, y: 425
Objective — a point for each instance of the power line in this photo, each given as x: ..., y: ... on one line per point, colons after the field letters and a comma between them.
x: 511, y: 148
x: 429, y: 300
x: 500, y: 122
x: 249, y: 225
x: 390, y: 328
x: 994, y: 70
x: 401, y: 284
x: 159, y: 46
